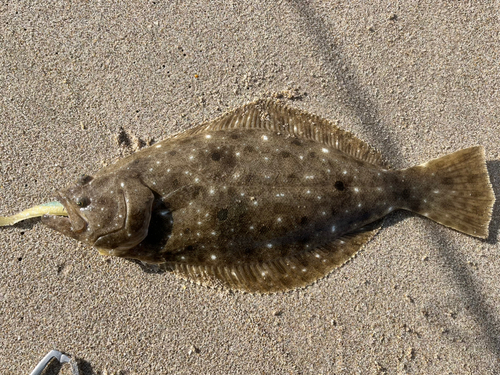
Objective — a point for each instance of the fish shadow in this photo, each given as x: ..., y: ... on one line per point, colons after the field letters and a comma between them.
x: 493, y: 167
x: 147, y: 267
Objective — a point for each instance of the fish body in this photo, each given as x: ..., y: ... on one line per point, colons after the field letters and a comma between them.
x: 265, y: 198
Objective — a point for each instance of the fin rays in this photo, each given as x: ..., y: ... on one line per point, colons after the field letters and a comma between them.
x: 281, y: 274
x: 278, y: 118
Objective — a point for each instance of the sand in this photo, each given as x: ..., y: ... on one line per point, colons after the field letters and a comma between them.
x: 416, y: 79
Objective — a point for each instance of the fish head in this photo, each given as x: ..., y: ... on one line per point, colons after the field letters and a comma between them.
x: 96, y: 208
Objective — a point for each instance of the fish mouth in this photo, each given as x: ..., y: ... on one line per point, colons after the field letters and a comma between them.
x: 78, y: 222
x: 70, y: 225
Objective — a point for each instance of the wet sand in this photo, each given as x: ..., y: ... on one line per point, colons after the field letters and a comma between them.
x: 417, y: 80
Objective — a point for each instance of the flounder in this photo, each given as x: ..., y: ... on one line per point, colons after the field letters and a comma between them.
x: 265, y: 198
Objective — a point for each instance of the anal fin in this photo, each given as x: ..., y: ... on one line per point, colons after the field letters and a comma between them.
x: 281, y: 274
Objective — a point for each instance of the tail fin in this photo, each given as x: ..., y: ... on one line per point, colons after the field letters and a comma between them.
x: 457, y: 191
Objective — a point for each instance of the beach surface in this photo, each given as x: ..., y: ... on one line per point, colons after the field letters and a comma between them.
x: 84, y: 83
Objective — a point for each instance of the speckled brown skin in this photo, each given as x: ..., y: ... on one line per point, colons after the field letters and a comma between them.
x: 265, y: 198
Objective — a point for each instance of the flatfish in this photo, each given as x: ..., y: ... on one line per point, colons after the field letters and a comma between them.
x: 265, y: 198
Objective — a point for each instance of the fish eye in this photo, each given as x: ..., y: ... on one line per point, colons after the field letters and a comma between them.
x: 82, y: 201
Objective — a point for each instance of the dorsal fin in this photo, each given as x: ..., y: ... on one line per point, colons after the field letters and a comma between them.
x: 276, y: 117
x: 280, y: 274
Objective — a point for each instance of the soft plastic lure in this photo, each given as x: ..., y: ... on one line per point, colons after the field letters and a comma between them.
x: 51, y: 208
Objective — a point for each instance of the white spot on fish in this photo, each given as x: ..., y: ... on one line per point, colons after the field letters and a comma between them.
x: 213, y: 257
x: 334, y: 228
x: 269, y: 245
x: 264, y: 138
x: 208, y: 136
x: 325, y: 150
x: 356, y: 190
x: 158, y: 146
